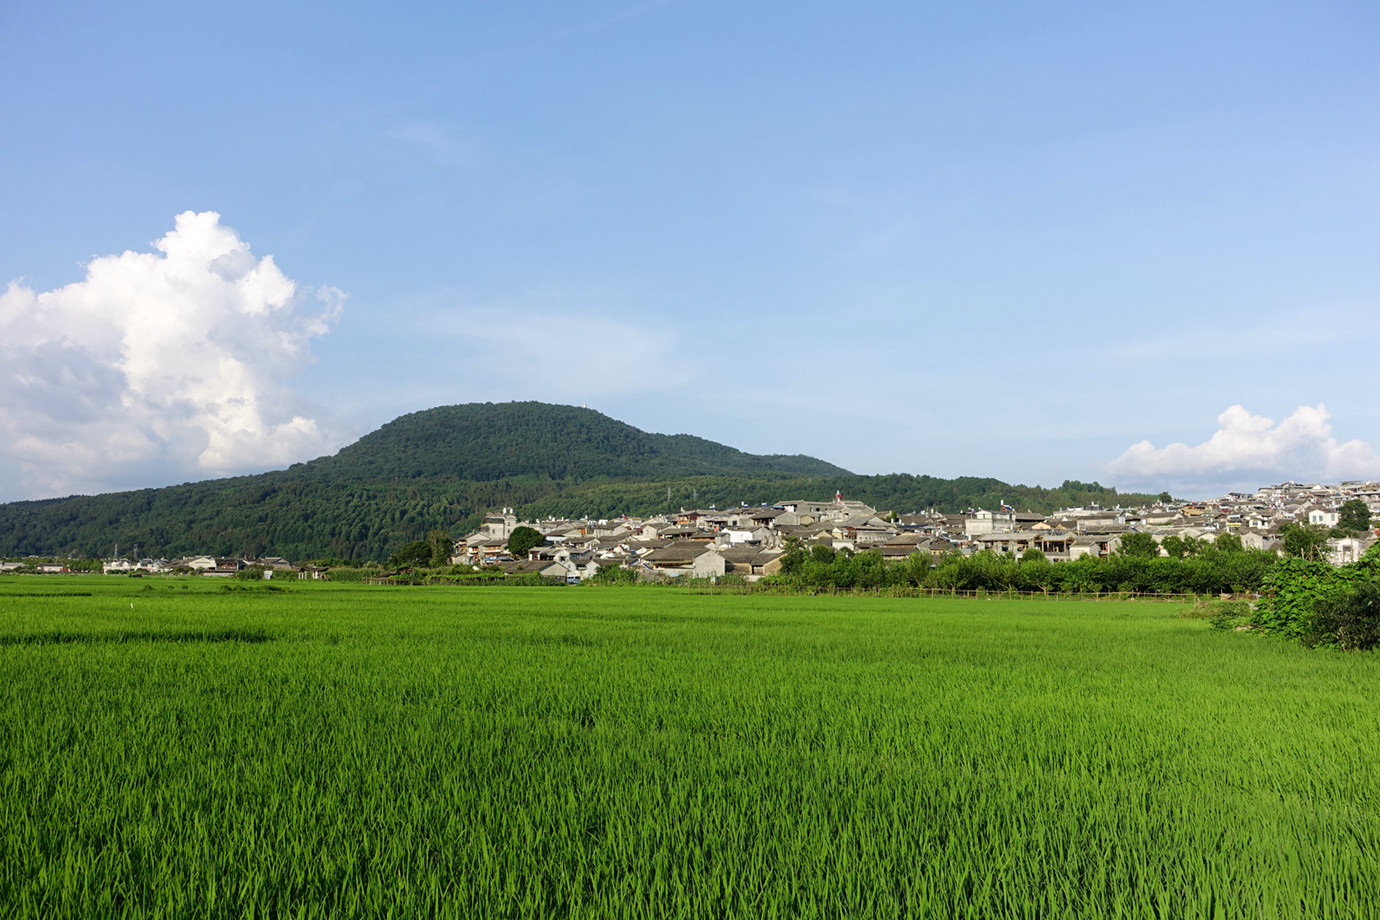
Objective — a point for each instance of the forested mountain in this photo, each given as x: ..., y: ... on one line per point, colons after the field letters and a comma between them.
x: 484, y: 442
x: 445, y: 467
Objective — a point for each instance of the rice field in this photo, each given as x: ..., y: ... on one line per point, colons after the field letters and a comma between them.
x: 184, y: 747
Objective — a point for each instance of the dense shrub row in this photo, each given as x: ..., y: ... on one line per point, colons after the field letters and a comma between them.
x: 1210, y: 572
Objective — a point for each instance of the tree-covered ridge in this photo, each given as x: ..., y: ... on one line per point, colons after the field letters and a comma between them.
x: 483, y: 442
x: 433, y: 470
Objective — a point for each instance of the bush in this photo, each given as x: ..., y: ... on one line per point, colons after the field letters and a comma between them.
x: 1222, y: 614
x: 1293, y: 590
x: 1349, y: 621
x: 612, y: 575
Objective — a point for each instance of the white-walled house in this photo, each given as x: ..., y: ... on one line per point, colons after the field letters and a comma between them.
x: 686, y: 557
x: 1321, y: 517
x: 1346, y: 550
x: 983, y: 522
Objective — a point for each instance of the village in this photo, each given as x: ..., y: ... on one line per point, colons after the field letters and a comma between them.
x: 750, y: 541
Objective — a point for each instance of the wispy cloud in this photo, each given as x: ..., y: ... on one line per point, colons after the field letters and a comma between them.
x: 1249, y: 449
x: 159, y: 365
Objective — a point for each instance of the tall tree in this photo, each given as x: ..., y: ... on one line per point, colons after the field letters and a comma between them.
x: 414, y: 552
x: 442, y: 546
x: 1353, y: 516
x: 1138, y: 544
x: 521, y: 541
x: 1306, y: 541
x: 1228, y: 543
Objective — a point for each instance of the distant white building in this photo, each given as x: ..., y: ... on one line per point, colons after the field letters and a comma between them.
x: 1345, y: 550
x: 1321, y: 517
x: 984, y: 522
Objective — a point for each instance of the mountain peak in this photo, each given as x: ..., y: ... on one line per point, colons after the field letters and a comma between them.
x: 483, y: 442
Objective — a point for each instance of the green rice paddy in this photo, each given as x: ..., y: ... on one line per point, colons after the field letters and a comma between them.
x: 190, y: 748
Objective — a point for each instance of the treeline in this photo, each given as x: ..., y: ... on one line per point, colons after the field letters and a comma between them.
x: 1229, y: 571
x: 250, y: 516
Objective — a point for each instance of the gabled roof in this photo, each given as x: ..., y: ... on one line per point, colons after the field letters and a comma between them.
x: 679, y: 551
x: 739, y: 554
x: 679, y: 532
x: 804, y: 531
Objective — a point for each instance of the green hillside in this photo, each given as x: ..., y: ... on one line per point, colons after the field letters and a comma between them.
x: 445, y: 467
x: 484, y: 442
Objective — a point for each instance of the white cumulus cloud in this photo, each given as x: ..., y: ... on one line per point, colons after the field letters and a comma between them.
x: 159, y: 366
x: 1250, y: 450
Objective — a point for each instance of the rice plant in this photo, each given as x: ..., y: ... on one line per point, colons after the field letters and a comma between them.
x: 340, y: 750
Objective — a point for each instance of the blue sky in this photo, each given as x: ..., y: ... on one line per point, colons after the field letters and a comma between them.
x: 1092, y: 241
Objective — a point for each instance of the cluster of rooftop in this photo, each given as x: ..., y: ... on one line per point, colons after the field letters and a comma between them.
x: 750, y: 541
